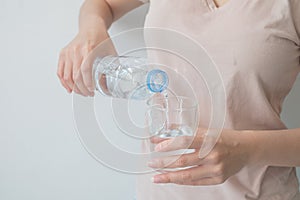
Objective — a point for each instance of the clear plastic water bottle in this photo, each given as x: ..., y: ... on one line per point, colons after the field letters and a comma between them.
x: 128, y: 77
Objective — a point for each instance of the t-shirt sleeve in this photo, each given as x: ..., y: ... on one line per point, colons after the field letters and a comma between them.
x: 144, y: 1
x: 295, y: 8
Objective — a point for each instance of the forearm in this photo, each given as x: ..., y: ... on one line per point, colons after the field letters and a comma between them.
x: 98, y: 15
x: 276, y: 147
x: 95, y: 16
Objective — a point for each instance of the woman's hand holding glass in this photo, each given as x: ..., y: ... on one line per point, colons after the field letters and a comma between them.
x: 230, y: 154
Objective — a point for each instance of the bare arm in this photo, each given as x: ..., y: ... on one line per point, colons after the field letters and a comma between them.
x: 96, y: 16
x: 276, y: 148
x: 234, y: 150
x: 102, y: 13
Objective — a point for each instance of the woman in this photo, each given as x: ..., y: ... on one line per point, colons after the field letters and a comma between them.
x: 257, y: 45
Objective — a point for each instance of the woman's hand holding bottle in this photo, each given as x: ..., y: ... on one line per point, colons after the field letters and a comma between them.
x: 96, y: 16
x: 73, y: 75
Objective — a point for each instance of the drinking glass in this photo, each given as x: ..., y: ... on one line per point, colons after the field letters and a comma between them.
x: 169, y: 117
x: 172, y: 116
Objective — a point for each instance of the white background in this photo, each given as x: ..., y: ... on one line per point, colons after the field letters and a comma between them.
x: 40, y: 155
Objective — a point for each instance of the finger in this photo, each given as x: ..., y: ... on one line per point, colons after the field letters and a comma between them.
x: 203, y: 182
x: 209, y: 181
x: 68, y: 74
x: 103, y: 84
x: 184, y: 160
x: 80, y: 85
x: 87, y: 74
x: 60, y: 73
x: 181, y: 142
x: 156, y: 140
x: 77, y: 59
x: 76, y: 90
x: 77, y: 77
x: 185, y: 176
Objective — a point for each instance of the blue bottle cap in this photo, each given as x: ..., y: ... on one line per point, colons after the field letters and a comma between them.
x: 157, y: 80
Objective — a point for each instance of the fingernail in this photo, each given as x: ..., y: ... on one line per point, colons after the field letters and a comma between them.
x: 153, y: 139
x: 91, y: 89
x: 157, y: 147
x: 161, y: 146
x: 157, y: 179
x: 152, y: 163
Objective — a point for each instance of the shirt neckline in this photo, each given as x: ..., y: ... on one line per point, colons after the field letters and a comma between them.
x: 214, y: 8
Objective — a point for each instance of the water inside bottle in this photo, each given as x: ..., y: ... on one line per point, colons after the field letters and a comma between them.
x: 128, y: 77
x: 121, y: 77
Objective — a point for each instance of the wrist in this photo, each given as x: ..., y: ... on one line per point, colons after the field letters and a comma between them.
x: 253, y: 149
x: 93, y: 26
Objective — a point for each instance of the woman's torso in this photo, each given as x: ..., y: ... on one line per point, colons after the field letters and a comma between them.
x: 255, y: 45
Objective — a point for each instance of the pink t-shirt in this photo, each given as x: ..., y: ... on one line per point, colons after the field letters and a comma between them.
x: 256, y: 46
